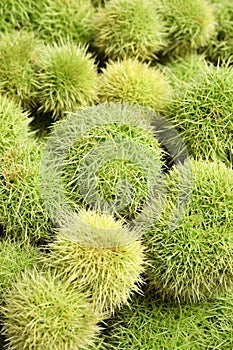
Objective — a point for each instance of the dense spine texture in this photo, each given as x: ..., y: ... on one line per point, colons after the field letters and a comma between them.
x: 191, y: 257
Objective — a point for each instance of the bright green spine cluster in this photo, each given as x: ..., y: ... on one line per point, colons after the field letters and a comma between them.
x: 44, y: 312
x: 18, y: 51
x: 202, y: 113
x: 190, y: 24
x: 193, y: 259
x: 182, y: 70
x: 66, y: 79
x: 22, y: 214
x: 51, y: 20
x: 102, y: 225
x: 108, y: 179
x: 21, y: 208
x: 109, y: 273
x: 14, y: 259
x: 15, y: 14
x: 128, y: 29
x: 149, y: 323
x: 72, y: 20
x: 136, y: 83
x: 14, y: 124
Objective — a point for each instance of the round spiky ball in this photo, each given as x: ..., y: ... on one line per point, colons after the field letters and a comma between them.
x: 66, y: 79
x: 110, y: 274
x: 202, y: 112
x: 135, y: 82
x: 105, y: 157
x: 220, y: 48
x: 43, y: 312
x: 148, y: 323
x: 189, y: 24
x: 18, y: 51
x: 128, y: 29
x: 14, y: 259
x: 22, y: 214
x: 119, y: 180
x: 53, y: 20
x: 14, y: 124
x: 194, y: 258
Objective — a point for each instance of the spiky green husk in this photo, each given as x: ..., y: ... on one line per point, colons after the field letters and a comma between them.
x: 14, y: 123
x: 220, y: 48
x: 193, y: 260
x: 93, y: 229
x: 15, y: 14
x: 18, y: 51
x: 14, y: 259
x: 104, y: 136
x: 183, y: 70
x: 51, y: 20
x: 128, y: 29
x: 109, y: 274
x: 148, y: 323
x: 66, y: 79
x: 71, y: 20
x: 190, y: 24
x: 202, y: 113
x: 21, y: 207
x: 43, y: 312
x: 124, y: 202
x: 135, y: 82
x: 97, y: 220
